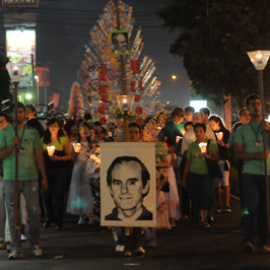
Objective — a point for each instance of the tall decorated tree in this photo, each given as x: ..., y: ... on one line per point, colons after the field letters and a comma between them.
x: 105, y: 72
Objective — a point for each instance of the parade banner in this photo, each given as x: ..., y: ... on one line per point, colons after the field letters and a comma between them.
x: 128, y: 184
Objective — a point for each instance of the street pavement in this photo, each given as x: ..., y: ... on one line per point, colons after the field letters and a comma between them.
x: 186, y: 246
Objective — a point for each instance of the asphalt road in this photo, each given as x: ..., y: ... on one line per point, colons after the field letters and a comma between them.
x: 186, y: 246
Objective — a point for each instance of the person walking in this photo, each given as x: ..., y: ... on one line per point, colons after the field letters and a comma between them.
x: 56, y: 172
x: 29, y: 158
x: 250, y: 149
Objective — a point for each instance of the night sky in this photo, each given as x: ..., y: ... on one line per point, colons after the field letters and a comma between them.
x: 63, y: 30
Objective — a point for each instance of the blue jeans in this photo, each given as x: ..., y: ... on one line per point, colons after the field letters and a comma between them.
x: 254, y: 207
x: 30, y: 191
x: 201, y: 191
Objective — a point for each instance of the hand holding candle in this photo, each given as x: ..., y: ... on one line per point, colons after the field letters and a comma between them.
x: 203, y: 147
x: 50, y: 150
x: 76, y: 147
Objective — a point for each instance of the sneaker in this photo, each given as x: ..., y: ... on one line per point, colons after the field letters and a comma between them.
x: 206, y: 225
x: 15, y: 255
x: 37, y: 251
x: 23, y: 238
x: 218, y: 210
x: 139, y: 252
x: 248, y: 247
x: 128, y: 255
x: 264, y: 250
x: 227, y: 209
x: 120, y: 248
x: 82, y: 220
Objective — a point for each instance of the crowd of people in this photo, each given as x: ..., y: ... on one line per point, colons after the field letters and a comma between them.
x: 194, y: 155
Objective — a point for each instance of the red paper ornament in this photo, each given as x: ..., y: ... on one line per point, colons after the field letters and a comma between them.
x: 103, y: 89
x: 140, y: 85
x: 101, y: 110
x: 133, y: 86
x: 102, y: 73
x: 139, y: 110
x: 103, y: 121
x: 135, y: 65
x: 104, y: 98
x: 137, y: 98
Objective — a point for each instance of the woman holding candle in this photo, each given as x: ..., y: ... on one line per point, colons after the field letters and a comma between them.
x: 199, y: 175
x: 222, y: 135
x: 55, y: 163
x: 80, y: 198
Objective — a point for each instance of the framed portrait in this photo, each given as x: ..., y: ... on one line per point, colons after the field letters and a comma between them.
x: 128, y: 184
x: 120, y: 42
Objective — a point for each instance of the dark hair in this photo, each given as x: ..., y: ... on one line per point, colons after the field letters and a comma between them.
x: 133, y: 124
x: 119, y: 160
x: 31, y: 107
x: 87, y: 117
x: 251, y: 97
x: 189, y: 109
x: 203, y: 126
x: 88, y: 137
x: 20, y: 105
x: 217, y: 119
x: 179, y: 111
x: 169, y: 141
x: 68, y: 126
x: 47, y: 135
x: 7, y: 117
x: 241, y: 111
x: 189, y: 124
x: 205, y: 110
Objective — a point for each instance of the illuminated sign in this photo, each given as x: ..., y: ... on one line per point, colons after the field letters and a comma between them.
x: 20, y: 3
x: 21, y: 45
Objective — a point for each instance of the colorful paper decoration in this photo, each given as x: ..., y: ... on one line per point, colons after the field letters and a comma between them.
x: 135, y: 66
x: 102, y: 73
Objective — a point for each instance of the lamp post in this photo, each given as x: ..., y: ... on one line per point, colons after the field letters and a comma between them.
x: 259, y: 59
x: 15, y: 74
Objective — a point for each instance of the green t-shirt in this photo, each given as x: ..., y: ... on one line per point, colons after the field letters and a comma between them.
x: 251, y: 136
x: 172, y: 130
x: 59, y: 144
x: 30, y: 141
x: 198, y: 164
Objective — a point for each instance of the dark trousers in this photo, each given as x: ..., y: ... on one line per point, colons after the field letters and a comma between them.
x: 201, y: 191
x: 54, y: 195
x: 254, y: 208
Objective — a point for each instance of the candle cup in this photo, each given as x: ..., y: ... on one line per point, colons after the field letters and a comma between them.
x: 219, y: 135
x: 50, y: 150
x: 76, y: 147
x: 203, y: 147
x: 178, y: 138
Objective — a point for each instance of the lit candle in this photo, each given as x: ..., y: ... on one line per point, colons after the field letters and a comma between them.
x: 178, y: 138
x: 50, y: 150
x: 203, y: 147
x: 76, y: 147
x: 125, y: 106
x: 219, y: 135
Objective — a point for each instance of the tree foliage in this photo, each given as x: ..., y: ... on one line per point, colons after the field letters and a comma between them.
x: 214, y: 38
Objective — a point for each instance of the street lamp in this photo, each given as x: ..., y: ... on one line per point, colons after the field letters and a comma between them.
x: 259, y: 59
x: 15, y: 74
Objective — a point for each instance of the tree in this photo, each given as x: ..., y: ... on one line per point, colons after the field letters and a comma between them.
x: 215, y: 36
x: 4, y: 77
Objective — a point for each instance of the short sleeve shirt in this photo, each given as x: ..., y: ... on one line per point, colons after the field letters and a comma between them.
x: 29, y: 141
x: 198, y: 164
x: 251, y: 136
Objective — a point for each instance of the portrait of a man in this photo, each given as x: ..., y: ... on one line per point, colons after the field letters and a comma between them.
x: 120, y: 42
x: 128, y: 181
x: 128, y: 184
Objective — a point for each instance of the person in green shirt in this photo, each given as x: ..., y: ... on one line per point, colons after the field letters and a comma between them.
x: 199, y: 175
x: 250, y: 149
x: 175, y: 127
x: 29, y: 158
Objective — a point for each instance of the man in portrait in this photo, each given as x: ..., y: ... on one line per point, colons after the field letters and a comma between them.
x: 128, y: 181
x: 120, y: 42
